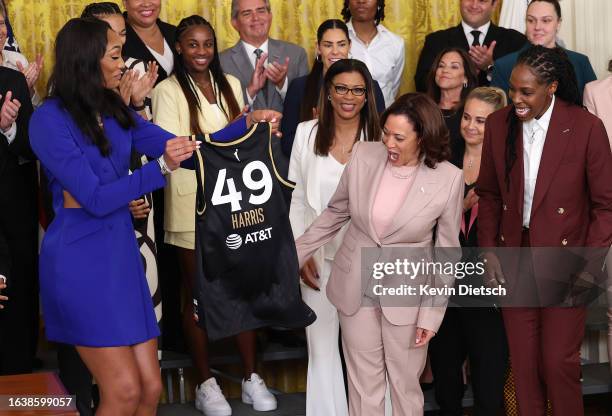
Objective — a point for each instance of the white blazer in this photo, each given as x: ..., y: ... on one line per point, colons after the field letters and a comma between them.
x: 305, y: 169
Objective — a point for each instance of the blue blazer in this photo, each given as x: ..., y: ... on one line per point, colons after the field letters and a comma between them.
x: 92, y: 282
x: 502, y: 69
x: 293, y: 103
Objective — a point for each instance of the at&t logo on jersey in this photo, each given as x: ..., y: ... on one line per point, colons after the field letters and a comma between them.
x: 234, y: 241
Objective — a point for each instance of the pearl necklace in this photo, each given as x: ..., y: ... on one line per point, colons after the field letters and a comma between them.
x: 395, y: 173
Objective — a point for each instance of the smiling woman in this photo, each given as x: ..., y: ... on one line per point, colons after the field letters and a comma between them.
x: 543, y: 20
x: 544, y: 138
x: 317, y: 162
x: 83, y: 135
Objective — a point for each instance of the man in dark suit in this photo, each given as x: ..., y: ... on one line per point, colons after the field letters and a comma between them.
x: 264, y: 66
x: 484, y: 41
x: 18, y: 226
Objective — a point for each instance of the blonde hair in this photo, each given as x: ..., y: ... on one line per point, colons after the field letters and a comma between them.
x: 494, y: 96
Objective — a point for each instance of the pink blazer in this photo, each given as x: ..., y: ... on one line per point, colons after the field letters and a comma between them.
x: 598, y: 99
x: 436, y: 197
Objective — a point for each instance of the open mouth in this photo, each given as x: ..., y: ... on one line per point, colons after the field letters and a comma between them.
x: 393, y: 157
x: 146, y: 13
x: 201, y: 61
x: 521, y: 111
x: 347, y: 107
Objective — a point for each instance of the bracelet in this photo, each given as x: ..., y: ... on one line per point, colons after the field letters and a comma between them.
x: 139, y: 107
x: 165, y: 170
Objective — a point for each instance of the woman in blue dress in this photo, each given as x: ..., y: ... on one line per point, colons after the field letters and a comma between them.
x: 92, y: 283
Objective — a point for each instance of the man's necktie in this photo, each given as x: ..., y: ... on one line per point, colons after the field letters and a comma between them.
x: 476, y: 34
x: 257, y: 53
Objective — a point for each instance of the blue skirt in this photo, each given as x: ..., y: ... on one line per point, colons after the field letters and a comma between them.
x: 92, y: 283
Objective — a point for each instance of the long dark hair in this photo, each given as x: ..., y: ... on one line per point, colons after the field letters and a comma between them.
x: 219, y: 81
x: 312, y: 90
x: 380, y: 11
x: 368, y: 116
x: 469, y: 70
x: 77, y: 79
x: 428, y: 124
x: 103, y: 8
x: 548, y: 65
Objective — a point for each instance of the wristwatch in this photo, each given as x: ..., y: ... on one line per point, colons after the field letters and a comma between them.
x: 165, y: 170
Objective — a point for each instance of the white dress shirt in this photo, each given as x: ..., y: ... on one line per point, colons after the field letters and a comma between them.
x: 384, y: 56
x: 534, y: 136
x: 250, y: 51
x: 11, y: 133
x: 467, y: 29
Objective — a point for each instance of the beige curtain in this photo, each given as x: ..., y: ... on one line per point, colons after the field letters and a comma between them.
x: 37, y: 21
x: 586, y: 29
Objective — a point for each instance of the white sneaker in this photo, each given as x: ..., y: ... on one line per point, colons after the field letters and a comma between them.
x: 210, y: 400
x: 255, y: 392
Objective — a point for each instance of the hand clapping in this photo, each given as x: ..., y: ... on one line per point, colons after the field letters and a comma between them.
x: 142, y: 85
x: 274, y: 71
x: 31, y: 72
x: 9, y: 111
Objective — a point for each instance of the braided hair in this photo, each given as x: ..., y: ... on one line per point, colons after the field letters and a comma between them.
x: 380, y: 11
x: 103, y: 8
x: 548, y: 65
x: 219, y: 81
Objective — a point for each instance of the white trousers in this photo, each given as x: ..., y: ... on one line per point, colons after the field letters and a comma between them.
x: 325, y: 394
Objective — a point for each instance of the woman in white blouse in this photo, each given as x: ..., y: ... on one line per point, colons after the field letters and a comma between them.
x: 320, y: 151
x: 371, y: 42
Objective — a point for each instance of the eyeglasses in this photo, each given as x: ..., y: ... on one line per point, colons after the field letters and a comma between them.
x: 356, y: 91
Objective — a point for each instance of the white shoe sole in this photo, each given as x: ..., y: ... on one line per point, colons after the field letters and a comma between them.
x: 214, y: 412
x: 259, y: 407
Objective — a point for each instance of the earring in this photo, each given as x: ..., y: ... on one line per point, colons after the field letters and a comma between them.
x: 465, y: 84
x: 329, y: 97
x: 365, y: 100
x: 318, y: 58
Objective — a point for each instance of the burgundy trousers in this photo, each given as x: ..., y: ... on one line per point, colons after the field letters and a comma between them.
x: 544, y: 346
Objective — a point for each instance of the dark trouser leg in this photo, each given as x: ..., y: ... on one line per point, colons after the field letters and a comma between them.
x: 76, y: 377
x: 488, y: 357
x: 447, y: 354
x: 196, y: 337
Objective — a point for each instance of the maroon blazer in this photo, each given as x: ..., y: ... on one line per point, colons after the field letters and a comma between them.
x: 572, y: 203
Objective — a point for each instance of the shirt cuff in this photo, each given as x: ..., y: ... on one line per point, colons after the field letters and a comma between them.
x: 11, y: 133
x: 249, y: 99
x: 283, y: 91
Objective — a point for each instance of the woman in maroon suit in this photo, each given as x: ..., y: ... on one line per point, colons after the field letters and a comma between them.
x: 544, y: 182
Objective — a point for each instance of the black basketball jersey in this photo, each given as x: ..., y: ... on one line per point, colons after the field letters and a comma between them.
x: 247, y: 267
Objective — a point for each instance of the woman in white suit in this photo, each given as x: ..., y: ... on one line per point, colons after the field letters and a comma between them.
x: 318, y: 157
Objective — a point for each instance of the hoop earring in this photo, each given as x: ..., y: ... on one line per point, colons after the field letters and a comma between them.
x: 465, y: 84
x: 318, y: 58
x: 329, y: 97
